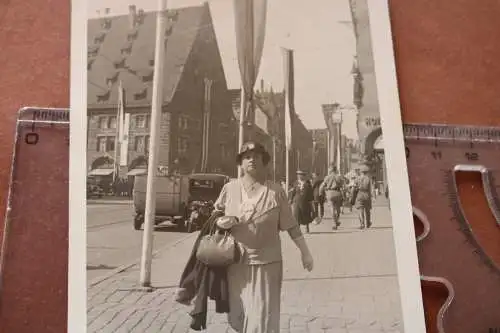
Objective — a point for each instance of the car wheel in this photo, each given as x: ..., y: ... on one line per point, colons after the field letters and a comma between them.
x: 138, y: 220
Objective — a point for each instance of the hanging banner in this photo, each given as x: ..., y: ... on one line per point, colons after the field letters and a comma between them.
x: 124, y: 141
x: 289, y: 95
x: 250, y: 24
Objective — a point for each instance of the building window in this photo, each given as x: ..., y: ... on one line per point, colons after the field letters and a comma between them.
x: 103, y: 122
x: 112, y: 122
x: 183, y: 123
x: 142, y: 121
x: 101, y: 144
x: 105, y: 144
x: 224, y: 152
x: 146, y: 144
x: 110, y: 143
x: 140, y: 144
x: 182, y: 145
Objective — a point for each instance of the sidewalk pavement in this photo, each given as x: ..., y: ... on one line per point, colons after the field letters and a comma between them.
x: 353, y: 287
x: 110, y: 201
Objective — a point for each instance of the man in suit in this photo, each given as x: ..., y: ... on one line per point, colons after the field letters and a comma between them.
x: 318, y: 198
x: 301, y: 199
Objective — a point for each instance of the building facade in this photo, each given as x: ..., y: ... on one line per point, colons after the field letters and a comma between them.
x: 320, y: 151
x: 197, y: 126
x: 365, y: 92
x: 268, y: 128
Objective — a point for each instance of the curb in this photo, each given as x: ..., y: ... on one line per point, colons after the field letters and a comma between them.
x: 109, y: 202
x: 124, y: 267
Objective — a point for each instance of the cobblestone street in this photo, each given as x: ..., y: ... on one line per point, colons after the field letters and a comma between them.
x: 352, y: 289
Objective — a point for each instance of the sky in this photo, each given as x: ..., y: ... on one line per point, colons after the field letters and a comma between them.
x: 323, y: 44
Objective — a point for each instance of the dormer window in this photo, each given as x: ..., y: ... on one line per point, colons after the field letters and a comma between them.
x: 148, y: 76
x: 100, y: 37
x: 132, y: 35
x: 140, y: 16
x: 93, y: 50
x: 168, y: 30
x: 106, y: 24
x: 173, y: 15
x: 142, y: 94
x: 89, y: 63
x: 103, y: 97
x: 127, y: 48
x: 112, y: 79
x: 120, y: 63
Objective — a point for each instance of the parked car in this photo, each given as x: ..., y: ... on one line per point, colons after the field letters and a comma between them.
x: 184, y: 200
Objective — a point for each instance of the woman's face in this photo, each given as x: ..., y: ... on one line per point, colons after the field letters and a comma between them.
x: 251, y: 162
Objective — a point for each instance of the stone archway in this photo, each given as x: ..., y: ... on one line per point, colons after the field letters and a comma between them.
x: 374, y: 153
x: 103, y: 162
x: 140, y: 162
x: 370, y: 140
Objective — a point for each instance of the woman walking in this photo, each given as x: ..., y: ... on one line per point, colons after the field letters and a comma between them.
x: 256, y: 210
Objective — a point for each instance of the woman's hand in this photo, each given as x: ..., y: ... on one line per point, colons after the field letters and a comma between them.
x: 307, y: 261
x: 226, y: 222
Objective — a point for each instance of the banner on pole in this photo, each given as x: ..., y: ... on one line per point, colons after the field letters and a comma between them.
x: 123, y: 124
x: 124, y: 142
x: 250, y: 24
x: 289, y: 95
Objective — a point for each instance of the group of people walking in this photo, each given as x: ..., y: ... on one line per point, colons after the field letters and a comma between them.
x: 253, y: 211
x: 308, y: 196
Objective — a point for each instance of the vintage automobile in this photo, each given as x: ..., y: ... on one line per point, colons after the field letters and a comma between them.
x: 184, y: 200
x: 204, y: 188
x: 94, y: 190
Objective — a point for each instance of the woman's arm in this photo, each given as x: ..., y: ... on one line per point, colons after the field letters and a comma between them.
x: 298, y: 238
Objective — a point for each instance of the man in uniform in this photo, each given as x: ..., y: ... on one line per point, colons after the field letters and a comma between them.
x: 364, y: 197
x: 332, y: 187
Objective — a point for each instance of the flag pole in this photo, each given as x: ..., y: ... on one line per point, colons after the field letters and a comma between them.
x: 288, y: 91
x: 287, y: 163
x: 116, y: 163
x: 157, y: 102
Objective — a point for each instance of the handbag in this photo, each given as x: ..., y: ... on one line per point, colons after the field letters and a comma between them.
x: 217, y: 248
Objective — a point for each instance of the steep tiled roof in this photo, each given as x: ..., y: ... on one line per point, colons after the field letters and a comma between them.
x: 105, y: 47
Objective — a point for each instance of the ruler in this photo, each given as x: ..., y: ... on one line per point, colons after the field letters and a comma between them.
x: 34, y: 256
x: 454, y: 176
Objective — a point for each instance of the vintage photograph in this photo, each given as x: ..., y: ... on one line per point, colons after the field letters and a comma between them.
x: 236, y: 174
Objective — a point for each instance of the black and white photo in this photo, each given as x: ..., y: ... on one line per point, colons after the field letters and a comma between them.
x: 236, y: 169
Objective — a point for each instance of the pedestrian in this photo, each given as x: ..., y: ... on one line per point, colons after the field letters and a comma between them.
x: 256, y: 210
x: 332, y: 187
x: 387, y: 195
x: 364, y: 198
x: 301, y: 198
x: 318, y: 198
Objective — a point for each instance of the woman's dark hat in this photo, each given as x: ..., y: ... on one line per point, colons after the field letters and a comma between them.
x: 255, y: 147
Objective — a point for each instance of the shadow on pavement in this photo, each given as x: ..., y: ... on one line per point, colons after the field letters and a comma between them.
x: 99, y: 267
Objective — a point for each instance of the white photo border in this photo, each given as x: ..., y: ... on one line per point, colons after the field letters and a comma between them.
x: 397, y: 171
x: 397, y: 174
x: 77, y: 277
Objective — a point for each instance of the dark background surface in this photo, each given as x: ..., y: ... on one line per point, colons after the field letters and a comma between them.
x: 447, y: 66
x: 446, y: 58
x: 34, y: 71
